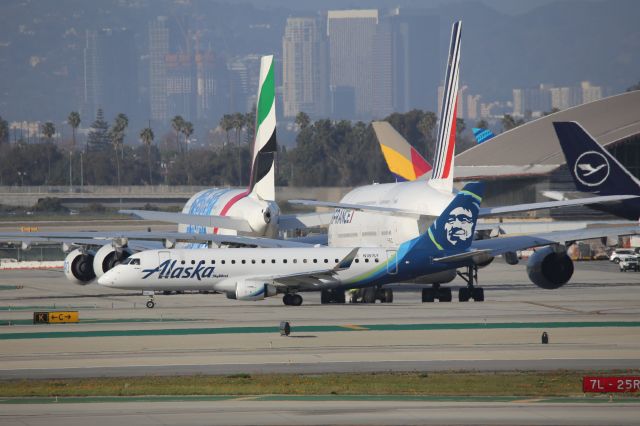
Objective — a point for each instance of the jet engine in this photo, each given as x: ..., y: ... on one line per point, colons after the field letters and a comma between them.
x: 252, y: 290
x: 549, y: 268
x: 78, y: 267
x: 108, y: 257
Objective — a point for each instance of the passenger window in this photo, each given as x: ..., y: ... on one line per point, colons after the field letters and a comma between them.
x: 326, y: 261
x: 233, y: 262
x: 366, y: 260
x: 213, y: 262
x: 193, y: 262
x: 376, y: 260
x: 264, y: 261
x: 273, y: 261
x: 223, y: 262
x: 182, y: 262
x: 284, y: 260
x: 243, y: 261
x: 295, y: 260
x: 357, y: 260
x: 337, y: 260
x: 304, y: 260
x: 253, y: 261
x: 315, y: 260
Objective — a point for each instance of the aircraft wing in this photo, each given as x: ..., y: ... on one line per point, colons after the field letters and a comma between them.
x: 313, y: 280
x: 304, y: 220
x: 359, y: 207
x: 501, y: 245
x: 225, y: 222
x: 495, y: 211
x: 145, y: 240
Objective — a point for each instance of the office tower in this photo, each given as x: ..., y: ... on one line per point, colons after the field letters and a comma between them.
x: 110, y: 72
x: 590, y: 93
x: 351, y: 44
x: 564, y: 97
x: 532, y: 102
x: 158, y: 51
x: 382, y: 70
x: 417, y: 64
x: 305, y: 68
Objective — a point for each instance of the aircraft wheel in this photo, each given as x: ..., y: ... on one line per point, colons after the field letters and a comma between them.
x: 428, y: 295
x: 150, y: 304
x: 286, y: 299
x: 463, y: 294
x: 387, y: 295
x: 369, y: 295
x: 445, y: 295
x: 296, y: 300
x: 339, y: 296
x: 478, y: 294
x: 325, y: 297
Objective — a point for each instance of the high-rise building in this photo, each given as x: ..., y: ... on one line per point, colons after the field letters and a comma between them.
x: 564, y: 97
x: 382, y: 70
x: 110, y: 73
x: 417, y: 65
x: 531, y: 102
x: 351, y: 36
x: 158, y: 51
x: 590, y: 93
x: 305, y: 68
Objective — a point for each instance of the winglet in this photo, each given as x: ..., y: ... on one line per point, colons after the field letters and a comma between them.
x: 346, y: 262
x: 592, y: 167
x: 264, y: 149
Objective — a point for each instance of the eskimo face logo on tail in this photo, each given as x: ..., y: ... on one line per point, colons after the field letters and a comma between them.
x: 459, y: 225
x: 591, y: 168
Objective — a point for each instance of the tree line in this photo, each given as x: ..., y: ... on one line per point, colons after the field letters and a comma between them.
x: 326, y: 153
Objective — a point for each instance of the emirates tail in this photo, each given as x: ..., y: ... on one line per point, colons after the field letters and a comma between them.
x: 263, y: 168
x: 442, y: 174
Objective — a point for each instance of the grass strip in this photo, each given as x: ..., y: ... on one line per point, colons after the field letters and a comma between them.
x: 477, y: 384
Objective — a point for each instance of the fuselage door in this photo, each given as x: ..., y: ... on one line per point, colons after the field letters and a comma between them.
x: 163, y: 255
x: 392, y: 262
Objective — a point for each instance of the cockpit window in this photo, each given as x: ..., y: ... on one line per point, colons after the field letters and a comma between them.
x: 125, y: 262
x: 132, y: 261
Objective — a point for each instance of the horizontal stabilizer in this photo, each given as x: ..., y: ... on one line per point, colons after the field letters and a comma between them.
x: 475, y: 255
x: 358, y: 207
x: 304, y: 220
x: 224, y: 222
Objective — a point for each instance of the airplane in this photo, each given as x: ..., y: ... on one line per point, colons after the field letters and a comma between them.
x: 595, y: 170
x: 482, y: 135
x: 385, y: 215
x: 217, y: 216
x: 252, y: 274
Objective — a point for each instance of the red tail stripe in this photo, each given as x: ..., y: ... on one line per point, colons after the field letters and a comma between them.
x: 230, y: 204
x: 452, y: 140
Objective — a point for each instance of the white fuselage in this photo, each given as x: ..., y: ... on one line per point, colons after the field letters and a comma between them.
x: 232, y: 203
x: 351, y: 228
x: 224, y: 269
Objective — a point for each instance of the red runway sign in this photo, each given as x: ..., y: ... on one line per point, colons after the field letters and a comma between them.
x: 611, y: 384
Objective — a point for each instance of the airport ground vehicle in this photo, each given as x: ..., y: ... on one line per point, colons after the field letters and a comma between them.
x: 618, y: 254
x: 628, y: 262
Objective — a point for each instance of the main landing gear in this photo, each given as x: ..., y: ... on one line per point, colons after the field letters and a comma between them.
x: 470, y: 291
x: 332, y: 296
x: 292, y: 299
x: 371, y: 295
x: 430, y: 295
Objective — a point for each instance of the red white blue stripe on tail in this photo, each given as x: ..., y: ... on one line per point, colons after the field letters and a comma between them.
x: 442, y: 174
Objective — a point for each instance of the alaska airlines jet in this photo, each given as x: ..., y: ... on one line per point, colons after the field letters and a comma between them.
x: 230, y: 217
x: 595, y: 170
x: 253, y: 274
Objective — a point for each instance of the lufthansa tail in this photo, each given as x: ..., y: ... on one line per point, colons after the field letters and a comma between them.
x: 262, y: 183
x: 592, y: 167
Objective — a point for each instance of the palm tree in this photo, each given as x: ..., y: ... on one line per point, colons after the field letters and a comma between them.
x: 238, y: 123
x: 187, y: 131
x: 4, y: 131
x: 146, y: 135
x: 302, y: 120
x: 116, y: 134
x: 177, y: 123
x: 48, y: 130
x: 226, y: 123
x: 74, y: 122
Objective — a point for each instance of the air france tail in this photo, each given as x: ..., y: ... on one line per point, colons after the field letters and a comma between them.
x: 442, y: 175
x: 452, y: 232
x: 592, y: 167
x: 262, y: 183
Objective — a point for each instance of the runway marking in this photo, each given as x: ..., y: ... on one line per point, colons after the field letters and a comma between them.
x: 560, y: 308
x: 355, y: 327
x: 312, y: 328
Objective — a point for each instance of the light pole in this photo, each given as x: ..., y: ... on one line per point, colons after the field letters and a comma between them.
x: 21, y: 175
x: 70, y: 171
x: 81, y: 173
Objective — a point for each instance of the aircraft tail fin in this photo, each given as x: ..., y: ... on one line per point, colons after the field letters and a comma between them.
x: 453, y: 230
x: 442, y: 175
x: 262, y: 184
x: 592, y: 167
x: 482, y: 135
x: 403, y: 160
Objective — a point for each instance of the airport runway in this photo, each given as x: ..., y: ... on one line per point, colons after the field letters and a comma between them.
x: 593, y: 323
x: 315, y: 411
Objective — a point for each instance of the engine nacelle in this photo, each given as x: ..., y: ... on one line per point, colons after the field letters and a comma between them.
x: 485, y: 263
x: 78, y: 267
x: 108, y: 257
x: 549, y: 269
x: 252, y: 290
x: 441, y: 277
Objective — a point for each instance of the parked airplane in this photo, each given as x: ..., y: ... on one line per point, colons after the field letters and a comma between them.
x: 216, y: 216
x: 595, y: 170
x: 253, y: 274
x: 482, y: 135
x: 385, y: 215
